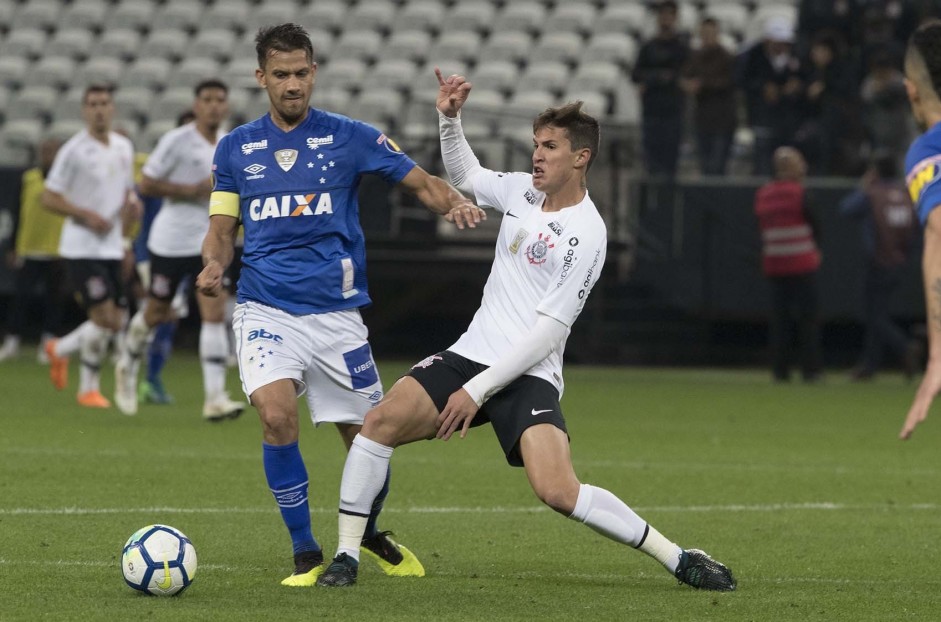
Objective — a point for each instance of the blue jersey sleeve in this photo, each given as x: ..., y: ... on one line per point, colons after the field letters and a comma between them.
x: 222, y: 178
x: 923, y: 172
x: 377, y: 153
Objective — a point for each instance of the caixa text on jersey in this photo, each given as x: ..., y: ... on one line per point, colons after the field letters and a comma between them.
x: 263, y: 208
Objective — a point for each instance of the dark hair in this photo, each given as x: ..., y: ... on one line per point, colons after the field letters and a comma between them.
x: 581, y: 128
x: 97, y: 87
x: 212, y: 83
x: 709, y: 21
x: 885, y: 164
x: 282, y: 38
x: 926, y: 41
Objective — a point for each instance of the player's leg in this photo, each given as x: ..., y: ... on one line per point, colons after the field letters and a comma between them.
x: 101, y: 292
x: 213, y: 351
x: 545, y: 453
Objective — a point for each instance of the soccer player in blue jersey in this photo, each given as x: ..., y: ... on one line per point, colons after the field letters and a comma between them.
x: 291, y: 179
x: 923, y: 174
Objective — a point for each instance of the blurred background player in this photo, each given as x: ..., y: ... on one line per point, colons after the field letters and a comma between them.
x: 291, y: 178
x: 884, y: 209
x: 91, y: 182
x: 790, y: 260
x: 178, y: 170
x: 36, y: 259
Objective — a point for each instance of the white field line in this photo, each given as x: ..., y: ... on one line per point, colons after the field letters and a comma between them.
x: 733, y: 508
x: 446, y: 574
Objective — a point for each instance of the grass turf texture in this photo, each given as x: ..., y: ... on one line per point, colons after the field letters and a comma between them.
x: 803, y: 491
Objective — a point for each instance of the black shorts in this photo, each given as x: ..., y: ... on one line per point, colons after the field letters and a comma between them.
x: 166, y: 274
x: 96, y: 280
x: 525, y: 402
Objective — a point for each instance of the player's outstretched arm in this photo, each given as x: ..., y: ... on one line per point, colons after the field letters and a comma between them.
x: 442, y: 198
x: 931, y: 383
x: 218, y: 250
x: 452, y: 93
x: 57, y: 203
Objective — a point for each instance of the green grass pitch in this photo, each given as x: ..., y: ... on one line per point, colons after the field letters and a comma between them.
x: 803, y: 491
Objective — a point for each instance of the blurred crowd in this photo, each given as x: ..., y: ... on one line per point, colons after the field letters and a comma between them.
x: 830, y: 85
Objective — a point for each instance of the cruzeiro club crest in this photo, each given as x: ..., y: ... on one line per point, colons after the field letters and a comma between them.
x: 286, y: 158
x: 538, y: 250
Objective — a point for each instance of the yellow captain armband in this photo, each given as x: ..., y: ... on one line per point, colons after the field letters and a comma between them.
x: 224, y: 203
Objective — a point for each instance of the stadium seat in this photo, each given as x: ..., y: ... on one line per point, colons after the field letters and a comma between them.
x: 133, y: 101
x: 393, y: 73
x: 756, y: 24
x: 549, y: 76
x: 121, y: 43
x: 594, y: 103
x: 271, y: 12
x: 732, y: 16
x: 507, y: 45
x: 194, y: 69
x: 12, y: 71
x: 181, y: 15
x: 55, y: 71
x: 64, y: 129
x: 147, y: 71
x: 231, y: 14
x: 239, y: 99
x: 342, y: 72
x: 525, y: 104
x: 136, y: 14
x: 99, y: 69
x: 361, y: 44
x: 687, y: 20
x: 463, y: 45
x: 379, y: 108
x: 521, y: 16
x: 421, y: 14
x: 323, y: 41
x: 216, y: 43
x: 69, y: 104
x: 334, y: 99
x: 240, y: 72
x: 325, y: 14
x: 72, y: 42
x: 426, y: 74
x: 495, y: 75
x: 627, y: 103
x: 24, y: 43
x: 475, y: 15
x: 408, y: 44
x: 31, y: 102
x: 597, y: 76
x: 571, y: 17
x: 148, y: 138
x: 611, y: 47
x: 566, y: 47
x: 171, y: 44
x: 88, y: 14
x: 626, y: 16
x: 42, y: 14
x: 373, y: 15
x: 170, y: 103
x: 17, y: 140
x: 6, y: 12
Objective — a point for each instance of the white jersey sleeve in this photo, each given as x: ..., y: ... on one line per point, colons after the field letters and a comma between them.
x: 63, y: 170
x: 163, y: 158
x: 585, y: 248
x: 495, y: 189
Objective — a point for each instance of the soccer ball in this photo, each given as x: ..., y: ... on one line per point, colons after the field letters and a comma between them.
x: 159, y: 560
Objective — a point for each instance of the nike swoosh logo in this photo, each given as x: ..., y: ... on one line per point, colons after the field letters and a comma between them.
x: 167, y: 582
x: 539, y: 412
x: 512, y: 215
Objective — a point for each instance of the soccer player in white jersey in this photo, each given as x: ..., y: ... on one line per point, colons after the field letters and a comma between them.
x: 92, y: 183
x: 179, y: 171
x: 506, y: 369
x: 291, y: 179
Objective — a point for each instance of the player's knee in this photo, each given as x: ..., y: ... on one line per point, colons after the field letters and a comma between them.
x: 380, y: 426
x: 279, y: 427
x: 558, y: 498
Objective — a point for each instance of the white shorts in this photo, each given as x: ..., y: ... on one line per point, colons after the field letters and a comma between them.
x: 327, y: 355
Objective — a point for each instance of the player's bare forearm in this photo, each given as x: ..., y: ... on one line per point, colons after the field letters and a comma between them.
x: 218, y: 250
x: 58, y: 204
x: 442, y: 198
x: 167, y: 189
x: 931, y: 383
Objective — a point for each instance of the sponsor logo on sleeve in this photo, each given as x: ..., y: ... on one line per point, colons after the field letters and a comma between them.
x: 389, y: 143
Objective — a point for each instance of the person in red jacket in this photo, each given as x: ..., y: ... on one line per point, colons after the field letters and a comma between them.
x: 790, y: 259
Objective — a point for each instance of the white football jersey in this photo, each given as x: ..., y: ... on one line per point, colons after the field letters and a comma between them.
x: 182, y: 156
x: 97, y: 177
x: 546, y: 262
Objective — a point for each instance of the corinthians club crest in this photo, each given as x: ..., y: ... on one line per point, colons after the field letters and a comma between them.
x: 285, y: 158
x: 537, y: 251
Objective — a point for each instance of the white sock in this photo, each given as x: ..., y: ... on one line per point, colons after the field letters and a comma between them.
x: 72, y: 342
x: 94, y: 345
x: 137, y: 336
x: 213, y: 350
x: 612, y: 518
x: 363, y: 477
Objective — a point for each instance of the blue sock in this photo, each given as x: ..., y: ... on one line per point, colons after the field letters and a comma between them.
x: 371, y: 528
x: 159, y: 350
x: 287, y: 479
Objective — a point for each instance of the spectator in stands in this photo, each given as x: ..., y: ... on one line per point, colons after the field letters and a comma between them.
x: 657, y: 74
x: 885, y: 210
x: 886, y: 115
x: 830, y: 134
x: 770, y: 75
x: 790, y: 260
x: 36, y: 258
x: 709, y: 77
x: 833, y: 17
